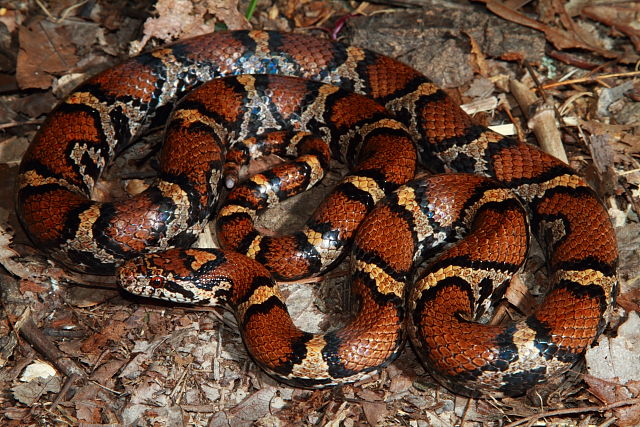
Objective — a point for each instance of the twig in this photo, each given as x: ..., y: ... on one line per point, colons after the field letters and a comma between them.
x: 467, y: 406
x: 571, y: 411
x: 67, y: 385
x: 590, y: 79
x: 179, y: 388
x: 27, y: 123
x: 65, y: 13
x: 541, y: 120
x: 110, y: 390
x: 44, y: 346
x: 629, y: 172
x: 201, y: 409
x: 516, y: 122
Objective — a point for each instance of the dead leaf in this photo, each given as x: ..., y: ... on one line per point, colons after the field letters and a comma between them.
x: 114, y: 332
x: 89, y: 297
x: 608, y: 96
x: 614, y: 369
x: 374, y: 412
x: 27, y: 285
x: 45, y: 50
x: 518, y: 294
x: 88, y: 411
x: 478, y: 55
x: 37, y: 369
x: 559, y: 38
x: 29, y: 393
x: 16, y: 413
x: 105, y: 374
x: 184, y: 18
x: 369, y: 395
x: 400, y: 381
x: 612, y: 393
x: 617, y: 358
x: 623, y: 17
x: 35, y: 105
x: 11, y: 18
x: 176, y: 18
x: 311, y: 13
x: 630, y: 301
x: 255, y: 406
x: 227, y: 11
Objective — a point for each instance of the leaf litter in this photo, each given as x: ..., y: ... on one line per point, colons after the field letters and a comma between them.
x: 122, y: 360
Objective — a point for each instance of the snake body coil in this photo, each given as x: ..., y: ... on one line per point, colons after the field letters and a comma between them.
x: 221, y: 125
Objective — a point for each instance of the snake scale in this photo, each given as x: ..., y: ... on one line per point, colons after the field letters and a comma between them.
x: 311, y: 100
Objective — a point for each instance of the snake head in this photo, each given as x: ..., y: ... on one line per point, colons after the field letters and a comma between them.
x: 166, y: 276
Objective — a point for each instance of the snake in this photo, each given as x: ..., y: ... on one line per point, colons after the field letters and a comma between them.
x: 226, y: 98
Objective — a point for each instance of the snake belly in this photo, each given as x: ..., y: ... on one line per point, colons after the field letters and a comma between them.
x: 102, y: 116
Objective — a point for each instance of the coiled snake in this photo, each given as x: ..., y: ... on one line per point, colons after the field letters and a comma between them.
x: 218, y: 127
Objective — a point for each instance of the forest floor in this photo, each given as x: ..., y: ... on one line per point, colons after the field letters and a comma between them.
x: 75, y: 350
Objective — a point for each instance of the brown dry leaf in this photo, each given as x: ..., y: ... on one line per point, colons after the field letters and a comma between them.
x: 628, y: 415
x: 623, y: 17
x: 400, y: 381
x: 34, y: 105
x: 227, y: 11
x: 369, y: 395
x: 374, y: 412
x: 561, y: 39
x: 105, y: 373
x: 617, y: 359
x: 518, y: 295
x: 29, y: 393
x: 614, y: 369
x: 88, y: 411
x: 255, y: 406
x: 176, y: 18
x: 113, y: 332
x: 84, y: 297
x: 307, y: 13
x: 610, y: 393
x: 11, y: 151
x: 630, y: 301
x: 64, y: 321
x: 184, y: 18
x: 480, y: 59
x: 45, y: 49
x: 16, y: 413
x: 620, y: 137
x: 9, y: 257
x: 262, y: 164
x: 312, y: 13
x: 27, y: 285
x: 606, y: 150
x: 11, y: 18
x: 602, y: 155
x: 72, y: 348
x: 581, y: 33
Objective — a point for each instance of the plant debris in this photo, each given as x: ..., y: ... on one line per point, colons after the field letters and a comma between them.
x: 76, y: 350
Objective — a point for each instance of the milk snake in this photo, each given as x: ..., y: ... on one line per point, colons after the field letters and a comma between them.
x: 414, y: 219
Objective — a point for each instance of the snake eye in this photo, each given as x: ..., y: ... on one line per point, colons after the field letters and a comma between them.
x: 156, y: 282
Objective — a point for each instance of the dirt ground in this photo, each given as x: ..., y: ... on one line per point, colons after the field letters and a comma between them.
x: 75, y: 350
